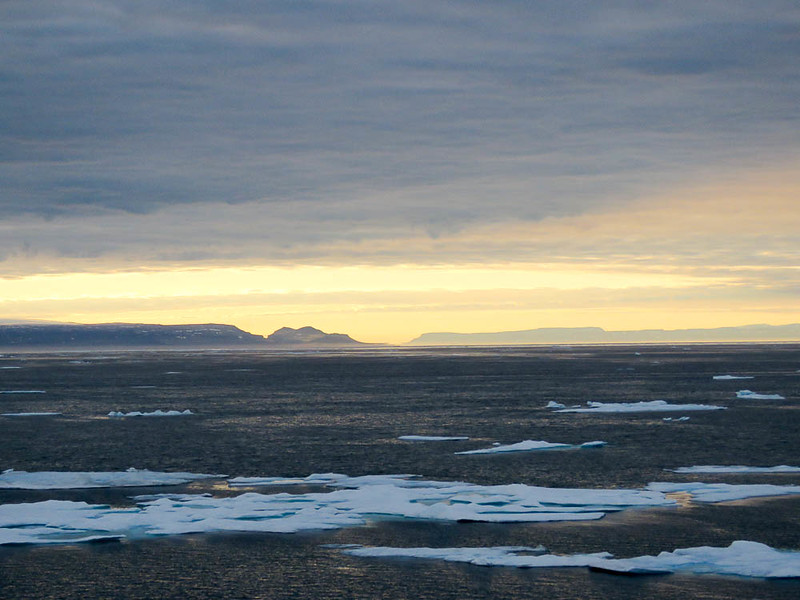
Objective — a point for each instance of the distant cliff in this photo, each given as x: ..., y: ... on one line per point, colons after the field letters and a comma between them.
x: 68, y: 336
x: 597, y: 335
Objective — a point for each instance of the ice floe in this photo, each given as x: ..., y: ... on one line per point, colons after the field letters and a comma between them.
x: 554, y: 404
x: 742, y: 558
x: 723, y: 492
x: 531, y: 445
x: 155, y: 413
x: 62, y: 480
x: 31, y: 414
x: 750, y: 395
x: 432, y: 438
x: 631, y: 407
x: 736, y: 469
x: 730, y: 377
x: 23, y: 392
x: 675, y: 419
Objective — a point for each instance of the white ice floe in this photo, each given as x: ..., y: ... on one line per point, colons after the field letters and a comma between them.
x: 432, y: 438
x: 723, y: 492
x: 353, y: 501
x: 736, y: 469
x: 632, y: 407
x: 62, y: 480
x: 730, y: 377
x: 155, y: 413
x: 31, y: 414
x: 750, y: 395
x: 554, y: 404
x: 742, y: 558
x: 675, y: 419
x: 10, y: 367
x: 23, y: 392
x: 531, y: 445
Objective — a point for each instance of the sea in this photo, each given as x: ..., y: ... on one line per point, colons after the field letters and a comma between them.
x: 293, y: 414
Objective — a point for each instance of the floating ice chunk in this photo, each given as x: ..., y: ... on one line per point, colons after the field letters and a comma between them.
x: 736, y: 469
x: 23, y: 392
x: 432, y: 438
x: 723, y: 492
x: 31, y: 414
x: 630, y: 407
x: 742, y: 558
x: 10, y: 367
x: 749, y: 395
x: 554, y: 404
x: 675, y: 419
x: 530, y: 445
x: 155, y: 413
x: 730, y: 377
x: 62, y: 480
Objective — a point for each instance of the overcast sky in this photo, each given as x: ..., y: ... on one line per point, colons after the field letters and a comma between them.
x: 652, y: 137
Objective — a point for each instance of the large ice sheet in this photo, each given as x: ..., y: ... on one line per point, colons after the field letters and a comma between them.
x: 63, y: 480
x: 155, y: 413
x: 632, y: 407
x: 531, y: 445
x: 723, y: 492
x: 736, y: 469
x: 742, y: 558
x: 750, y: 395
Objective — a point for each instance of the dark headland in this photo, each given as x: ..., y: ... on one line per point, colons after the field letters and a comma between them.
x: 72, y: 336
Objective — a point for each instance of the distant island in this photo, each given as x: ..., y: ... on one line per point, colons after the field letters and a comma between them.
x: 73, y: 336
x: 597, y: 335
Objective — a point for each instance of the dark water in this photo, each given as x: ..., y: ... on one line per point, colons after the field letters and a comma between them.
x: 260, y: 414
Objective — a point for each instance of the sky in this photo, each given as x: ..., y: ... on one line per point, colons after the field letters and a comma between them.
x: 385, y: 169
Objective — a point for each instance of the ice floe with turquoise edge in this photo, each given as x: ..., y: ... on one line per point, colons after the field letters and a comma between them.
x: 731, y: 377
x: 750, y: 395
x: 155, y: 413
x: 432, y: 438
x: 31, y: 414
x: 709, y: 493
x: 64, y: 480
x: 742, y: 558
x: 532, y: 445
x: 736, y: 469
x: 634, y: 407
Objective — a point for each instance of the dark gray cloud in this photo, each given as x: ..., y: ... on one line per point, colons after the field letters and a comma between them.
x: 426, y: 113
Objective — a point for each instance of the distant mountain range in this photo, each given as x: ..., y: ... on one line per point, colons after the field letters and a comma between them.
x: 136, y: 335
x: 597, y: 335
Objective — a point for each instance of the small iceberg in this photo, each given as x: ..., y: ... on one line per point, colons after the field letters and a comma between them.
x: 554, y: 404
x: 741, y: 558
x: 633, y: 407
x: 155, y: 413
x: 736, y: 469
x: 432, y: 438
x: 750, y: 395
x: 676, y: 419
x: 731, y: 377
x: 531, y: 445
x: 67, y: 480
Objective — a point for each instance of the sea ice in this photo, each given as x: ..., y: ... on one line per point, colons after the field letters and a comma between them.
x: 742, y: 558
x: 530, y: 445
x: 23, y: 392
x: 675, y: 419
x: 31, y: 414
x: 432, y: 438
x: 632, y: 407
x: 730, y: 377
x: 554, y: 404
x: 708, y: 493
x: 736, y: 469
x: 749, y: 395
x: 155, y: 413
x: 62, y: 480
